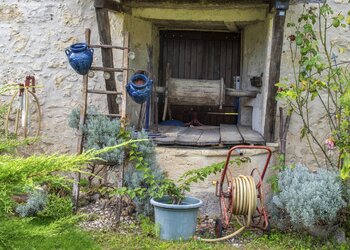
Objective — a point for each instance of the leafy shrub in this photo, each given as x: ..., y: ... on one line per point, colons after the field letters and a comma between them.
x: 100, y: 132
x: 17, y: 173
x: 35, y: 203
x: 309, y: 198
x: 57, y: 207
x: 135, y: 178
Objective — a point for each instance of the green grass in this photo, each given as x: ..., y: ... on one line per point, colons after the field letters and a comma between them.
x: 279, y: 240
x: 47, y: 234
x: 116, y: 241
x: 39, y: 233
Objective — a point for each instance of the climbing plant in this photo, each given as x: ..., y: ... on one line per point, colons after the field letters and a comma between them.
x: 320, y: 79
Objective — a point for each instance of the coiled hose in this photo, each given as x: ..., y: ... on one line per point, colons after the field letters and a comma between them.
x: 244, y: 202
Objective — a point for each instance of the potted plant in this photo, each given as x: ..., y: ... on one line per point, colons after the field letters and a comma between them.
x: 175, y: 213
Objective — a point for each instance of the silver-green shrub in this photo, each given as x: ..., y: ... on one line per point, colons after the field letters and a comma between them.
x: 36, y: 202
x: 135, y: 178
x: 100, y: 132
x: 309, y: 198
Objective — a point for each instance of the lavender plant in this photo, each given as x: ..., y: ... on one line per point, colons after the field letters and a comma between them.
x: 36, y: 202
x: 309, y: 198
x: 100, y: 132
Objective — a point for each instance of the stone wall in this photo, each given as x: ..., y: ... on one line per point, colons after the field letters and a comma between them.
x: 297, y: 150
x: 34, y: 35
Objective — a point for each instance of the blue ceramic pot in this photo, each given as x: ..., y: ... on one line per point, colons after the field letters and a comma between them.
x: 139, y: 93
x: 80, y: 57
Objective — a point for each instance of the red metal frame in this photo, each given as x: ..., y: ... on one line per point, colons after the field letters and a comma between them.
x: 226, y: 209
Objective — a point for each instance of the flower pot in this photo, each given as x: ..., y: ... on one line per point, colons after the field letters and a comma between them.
x: 139, y: 92
x: 176, y: 221
x: 80, y: 57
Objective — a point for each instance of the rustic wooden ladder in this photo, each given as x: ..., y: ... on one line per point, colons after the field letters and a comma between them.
x: 83, y: 110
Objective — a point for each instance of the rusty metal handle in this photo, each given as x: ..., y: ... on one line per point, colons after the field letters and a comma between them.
x: 244, y: 147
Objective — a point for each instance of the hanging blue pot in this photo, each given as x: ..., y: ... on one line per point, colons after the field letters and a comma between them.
x: 80, y: 57
x: 139, y: 92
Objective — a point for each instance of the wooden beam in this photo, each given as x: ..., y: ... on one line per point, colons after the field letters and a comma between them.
x: 107, y: 57
x: 274, y: 73
x: 107, y: 69
x: 111, y: 5
x: 107, y: 46
x: 229, y: 15
x: 103, y: 92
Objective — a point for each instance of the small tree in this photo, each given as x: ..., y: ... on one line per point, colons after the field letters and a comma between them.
x: 319, y: 77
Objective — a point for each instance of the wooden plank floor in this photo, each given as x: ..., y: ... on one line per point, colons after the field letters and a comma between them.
x: 209, y: 137
x: 189, y: 136
x: 230, y: 135
x: 250, y: 136
x: 226, y: 134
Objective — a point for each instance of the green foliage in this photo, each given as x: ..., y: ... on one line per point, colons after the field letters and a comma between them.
x: 18, y: 173
x: 148, y: 240
x: 57, y: 207
x: 320, y: 80
x: 273, y: 179
x: 100, y: 132
x: 292, y: 241
x: 309, y: 198
x: 36, y: 202
x: 10, y: 143
x: 142, y: 156
x: 43, y: 233
x: 135, y: 179
x: 158, y: 188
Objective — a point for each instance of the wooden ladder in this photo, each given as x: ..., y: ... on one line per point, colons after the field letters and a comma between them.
x: 83, y: 110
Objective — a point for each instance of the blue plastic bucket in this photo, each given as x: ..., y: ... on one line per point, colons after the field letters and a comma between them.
x: 176, y: 222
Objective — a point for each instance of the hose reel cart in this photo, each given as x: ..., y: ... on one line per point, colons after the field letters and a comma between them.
x: 241, y: 197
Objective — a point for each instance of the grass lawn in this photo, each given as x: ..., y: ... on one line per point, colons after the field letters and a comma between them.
x: 40, y: 233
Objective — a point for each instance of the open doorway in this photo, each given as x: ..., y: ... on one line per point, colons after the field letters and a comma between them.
x: 201, y: 55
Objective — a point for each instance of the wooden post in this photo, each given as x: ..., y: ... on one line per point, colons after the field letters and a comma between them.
x: 107, y: 56
x: 83, y: 111
x: 274, y: 73
x: 125, y: 73
x: 284, y: 126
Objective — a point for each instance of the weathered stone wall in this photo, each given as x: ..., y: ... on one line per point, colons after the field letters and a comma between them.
x: 34, y: 35
x: 297, y: 149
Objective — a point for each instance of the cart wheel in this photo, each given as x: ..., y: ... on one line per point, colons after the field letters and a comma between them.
x: 218, y: 228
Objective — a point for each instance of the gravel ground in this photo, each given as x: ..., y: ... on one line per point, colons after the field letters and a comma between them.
x: 102, y: 215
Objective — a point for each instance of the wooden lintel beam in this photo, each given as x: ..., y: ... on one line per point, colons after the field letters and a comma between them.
x: 274, y: 75
x: 112, y: 5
